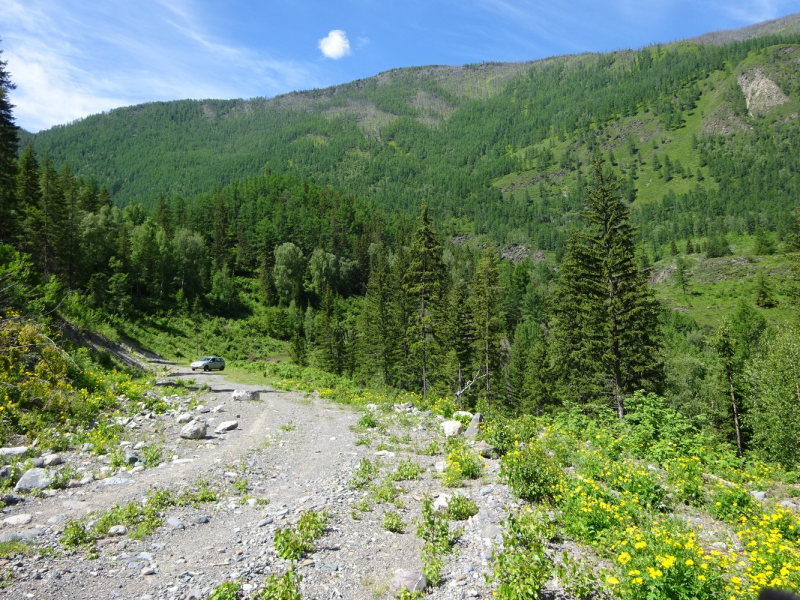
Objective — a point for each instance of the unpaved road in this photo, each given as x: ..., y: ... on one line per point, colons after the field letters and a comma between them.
x: 296, y: 452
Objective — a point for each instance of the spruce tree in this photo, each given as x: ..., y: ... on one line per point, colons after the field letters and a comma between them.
x: 9, y: 217
x: 379, y: 340
x: 606, y: 316
x: 488, y: 325
x: 764, y: 295
x: 423, y: 286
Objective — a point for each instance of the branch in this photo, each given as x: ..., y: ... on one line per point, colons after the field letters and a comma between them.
x: 470, y: 384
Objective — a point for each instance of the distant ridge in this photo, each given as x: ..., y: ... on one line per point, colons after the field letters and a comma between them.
x: 790, y: 24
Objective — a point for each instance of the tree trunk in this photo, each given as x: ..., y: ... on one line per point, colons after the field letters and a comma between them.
x: 735, y: 417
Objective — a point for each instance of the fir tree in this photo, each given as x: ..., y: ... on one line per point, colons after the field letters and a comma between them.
x: 606, y: 317
x: 689, y: 246
x: 764, y: 296
x: 682, y: 275
x: 380, y: 332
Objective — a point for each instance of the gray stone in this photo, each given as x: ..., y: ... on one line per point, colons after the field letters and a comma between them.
x: 759, y: 495
x: 245, y: 395
x: 226, y: 426
x: 17, y: 520
x: 148, y: 570
x: 440, y: 466
x: 200, y: 520
x: 34, y: 479
x: 487, y: 451
x: 51, y: 460
x: 413, y: 581
x: 184, y: 418
x: 491, y: 531
x: 21, y: 536
x: 88, y: 447
x: 116, y: 481
x: 485, y: 491
x: 442, y: 502
x: 451, y: 428
x: 474, y: 426
x: 194, y: 430
x: 788, y: 504
x: 15, y: 451
x: 117, y: 530
x: 131, y: 458
x: 267, y: 521
x: 6, y: 471
x: 37, y: 462
x: 175, y: 523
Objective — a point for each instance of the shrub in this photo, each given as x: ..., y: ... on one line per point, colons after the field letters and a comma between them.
x: 406, y: 470
x: 311, y: 525
x: 284, y: 587
x: 229, y: 590
x: 368, y: 420
x: 531, y: 474
x: 290, y: 544
x: 731, y: 503
x: 393, y: 522
x: 364, y: 473
x: 522, y: 568
x: 685, y: 476
x: 75, y: 535
x: 461, y: 508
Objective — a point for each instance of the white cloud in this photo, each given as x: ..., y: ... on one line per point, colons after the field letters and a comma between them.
x: 70, y: 60
x: 335, y: 45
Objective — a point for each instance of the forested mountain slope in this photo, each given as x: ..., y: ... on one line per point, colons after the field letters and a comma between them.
x: 501, y: 149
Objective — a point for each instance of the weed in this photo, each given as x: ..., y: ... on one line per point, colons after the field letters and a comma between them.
x: 530, y: 473
x: 290, y: 426
x: 406, y: 594
x: 11, y: 549
x: 364, y: 474
x: 240, y: 485
x: 368, y: 420
x: 76, y: 535
x: 229, y: 590
x: 364, y: 441
x: 432, y: 449
x: 406, y: 470
x: 392, y: 521
x: 152, y: 455
x: 290, y: 545
x: 311, y: 525
x: 364, y: 506
x: 285, y: 587
x: 387, y: 491
x: 461, y: 508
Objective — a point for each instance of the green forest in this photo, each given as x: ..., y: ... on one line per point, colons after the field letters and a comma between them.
x: 603, y: 238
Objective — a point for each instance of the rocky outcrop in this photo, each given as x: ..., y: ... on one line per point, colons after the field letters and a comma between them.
x: 760, y: 92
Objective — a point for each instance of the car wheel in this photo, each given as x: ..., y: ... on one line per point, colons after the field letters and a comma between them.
x: 222, y: 368
x: 192, y: 369
x: 205, y: 368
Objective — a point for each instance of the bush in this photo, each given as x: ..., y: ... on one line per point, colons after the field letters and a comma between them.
x: 731, y: 503
x: 290, y: 544
x: 461, y: 508
x: 685, y: 476
x: 531, y: 474
x: 393, y: 522
x: 406, y: 470
x: 523, y: 567
x: 284, y: 587
x: 364, y: 473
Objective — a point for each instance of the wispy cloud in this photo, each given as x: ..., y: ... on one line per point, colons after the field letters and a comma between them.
x: 335, y: 45
x: 73, y: 59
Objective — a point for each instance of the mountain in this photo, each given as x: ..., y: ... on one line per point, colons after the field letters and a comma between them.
x: 701, y: 132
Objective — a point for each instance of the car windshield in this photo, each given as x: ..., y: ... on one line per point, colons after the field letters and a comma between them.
x: 207, y: 358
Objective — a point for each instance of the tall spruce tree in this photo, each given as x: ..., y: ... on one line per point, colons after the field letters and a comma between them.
x: 605, y: 315
x: 9, y: 218
x: 488, y: 325
x: 423, y: 286
x: 379, y: 343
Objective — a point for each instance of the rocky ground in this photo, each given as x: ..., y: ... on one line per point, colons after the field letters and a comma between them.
x: 287, y: 453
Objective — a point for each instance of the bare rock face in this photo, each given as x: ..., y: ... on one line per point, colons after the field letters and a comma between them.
x: 245, y: 395
x: 413, y: 581
x: 451, y: 428
x: 194, y: 430
x: 474, y: 426
x: 760, y: 92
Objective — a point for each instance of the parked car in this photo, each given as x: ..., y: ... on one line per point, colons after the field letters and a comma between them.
x: 209, y: 363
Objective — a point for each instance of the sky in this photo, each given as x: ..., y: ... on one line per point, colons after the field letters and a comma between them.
x: 73, y: 58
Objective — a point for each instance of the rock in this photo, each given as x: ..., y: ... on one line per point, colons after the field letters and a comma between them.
x: 451, y: 428
x: 184, y: 418
x: 200, y: 520
x: 6, y: 471
x: 245, y: 395
x: 88, y: 447
x: 116, y: 481
x: 131, y: 458
x: 440, y: 466
x: 15, y: 451
x: 788, y: 504
x: 20, y: 536
x: 10, y: 499
x: 117, y: 530
x: 194, y: 430
x: 267, y: 521
x: 202, y: 409
x: 759, y: 495
x: 150, y: 570
x: 485, y: 491
x: 37, y: 462
x: 175, y: 523
x: 226, y: 426
x: 17, y: 520
x: 474, y: 426
x: 413, y: 581
x: 487, y: 451
x: 34, y: 479
x: 51, y: 460
x: 404, y: 407
x: 442, y: 501
x: 218, y: 409
x: 385, y: 453
x: 491, y: 531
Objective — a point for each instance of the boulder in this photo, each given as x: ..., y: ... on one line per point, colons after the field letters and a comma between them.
x: 451, y: 428
x: 6, y: 471
x: 413, y: 581
x: 226, y: 426
x: 487, y: 451
x: 194, y: 430
x: 245, y: 395
x: 17, y: 520
x: 15, y: 451
x: 117, y: 530
x: 759, y: 495
x: 474, y: 426
x: 442, y: 502
x: 34, y: 479
x: 51, y: 460
x: 184, y: 418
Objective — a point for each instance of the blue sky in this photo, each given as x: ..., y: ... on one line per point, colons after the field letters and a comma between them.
x: 73, y: 58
